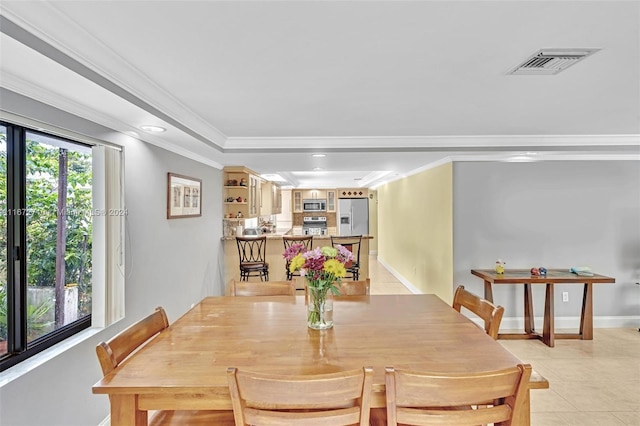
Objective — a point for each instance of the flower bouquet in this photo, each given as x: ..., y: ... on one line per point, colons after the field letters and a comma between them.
x: 321, y: 268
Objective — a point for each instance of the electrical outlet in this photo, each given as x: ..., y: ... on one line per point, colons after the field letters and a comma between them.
x: 565, y: 296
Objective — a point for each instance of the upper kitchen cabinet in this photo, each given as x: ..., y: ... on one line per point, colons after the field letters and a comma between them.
x: 296, y: 201
x: 241, y: 192
x: 353, y: 193
x: 255, y: 195
x: 331, y: 201
x: 277, y: 209
x: 271, y: 199
x: 314, y: 194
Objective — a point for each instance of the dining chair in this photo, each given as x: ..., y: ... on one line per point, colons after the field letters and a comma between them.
x: 347, y: 288
x: 117, y: 349
x: 487, y: 311
x: 271, y: 288
x: 456, y: 399
x: 332, y: 399
x: 355, y: 288
x: 351, y: 243
x: 288, y: 241
x: 253, y: 252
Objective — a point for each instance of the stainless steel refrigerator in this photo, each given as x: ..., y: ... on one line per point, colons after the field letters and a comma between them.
x: 353, y: 214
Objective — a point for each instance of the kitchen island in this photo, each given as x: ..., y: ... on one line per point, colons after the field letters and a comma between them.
x: 275, y: 248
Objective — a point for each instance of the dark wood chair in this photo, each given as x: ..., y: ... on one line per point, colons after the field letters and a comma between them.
x: 333, y: 399
x: 424, y: 398
x: 487, y: 311
x: 252, y: 252
x: 351, y: 243
x: 113, y: 352
x: 288, y: 241
x: 272, y: 288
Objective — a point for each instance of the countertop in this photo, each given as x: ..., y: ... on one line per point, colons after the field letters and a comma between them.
x: 279, y: 233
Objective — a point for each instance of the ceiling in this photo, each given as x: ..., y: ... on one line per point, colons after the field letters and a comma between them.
x: 383, y: 88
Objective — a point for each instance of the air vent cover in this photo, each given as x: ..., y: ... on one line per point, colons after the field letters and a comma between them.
x: 551, y: 61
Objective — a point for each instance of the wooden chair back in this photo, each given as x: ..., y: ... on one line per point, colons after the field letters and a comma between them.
x: 252, y: 252
x: 487, y: 311
x: 332, y: 399
x: 351, y: 243
x: 347, y: 288
x: 355, y: 288
x: 119, y: 347
x: 288, y: 241
x: 113, y: 352
x: 268, y: 288
x: 423, y: 398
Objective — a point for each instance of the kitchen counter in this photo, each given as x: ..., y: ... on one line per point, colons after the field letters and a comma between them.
x: 275, y: 248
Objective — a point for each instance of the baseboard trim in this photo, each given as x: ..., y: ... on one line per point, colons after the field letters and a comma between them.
x: 514, y: 323
x: 106, y: 421
x: 400, y: 278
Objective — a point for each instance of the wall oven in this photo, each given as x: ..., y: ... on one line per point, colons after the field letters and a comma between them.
x: 314, y: 205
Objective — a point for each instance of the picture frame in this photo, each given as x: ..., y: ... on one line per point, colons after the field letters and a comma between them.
x: 184, y: 196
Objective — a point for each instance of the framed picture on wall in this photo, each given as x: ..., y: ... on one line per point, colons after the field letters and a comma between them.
x: 184, y: 196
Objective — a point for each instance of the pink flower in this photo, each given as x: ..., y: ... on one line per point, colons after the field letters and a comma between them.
x: 293, y: 250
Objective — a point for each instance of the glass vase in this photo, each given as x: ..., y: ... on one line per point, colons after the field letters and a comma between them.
x: 319, y: 309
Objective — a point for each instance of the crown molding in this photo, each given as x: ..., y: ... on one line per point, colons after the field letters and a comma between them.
x: 112, y: 72
x: 47, y: 97
x: 409, y: 143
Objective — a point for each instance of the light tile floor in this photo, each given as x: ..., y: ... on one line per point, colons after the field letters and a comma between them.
x: 592, y: 382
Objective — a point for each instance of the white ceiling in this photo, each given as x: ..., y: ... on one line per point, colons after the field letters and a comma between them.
x: 384, y: 88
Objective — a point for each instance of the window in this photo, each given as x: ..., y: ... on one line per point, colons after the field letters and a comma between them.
x: 47, y: 218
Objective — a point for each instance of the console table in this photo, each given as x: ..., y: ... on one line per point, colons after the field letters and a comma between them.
x: 553, y: 276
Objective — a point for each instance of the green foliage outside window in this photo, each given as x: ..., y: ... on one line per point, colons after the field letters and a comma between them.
x: 42, y: 211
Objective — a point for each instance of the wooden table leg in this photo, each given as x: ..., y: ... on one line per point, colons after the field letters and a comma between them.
x: 529, y: 325
x: 488, y: 293
x: 586, y: 319
x: 124, y: 411
x: 548, y: 326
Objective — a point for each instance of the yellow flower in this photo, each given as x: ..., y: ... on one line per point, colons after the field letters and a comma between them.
x: 335, y: 267
x: 296, y: 263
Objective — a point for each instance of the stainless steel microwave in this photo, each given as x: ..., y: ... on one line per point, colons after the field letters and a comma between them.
x: 314, y: 205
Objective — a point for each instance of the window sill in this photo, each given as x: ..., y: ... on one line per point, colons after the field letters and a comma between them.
x: 37, y: 360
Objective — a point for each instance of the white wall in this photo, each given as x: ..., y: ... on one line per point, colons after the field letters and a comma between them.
x: 172, y: 263
x: 555, y: 214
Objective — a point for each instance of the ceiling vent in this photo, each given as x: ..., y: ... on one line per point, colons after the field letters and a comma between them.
x: 551, y: 61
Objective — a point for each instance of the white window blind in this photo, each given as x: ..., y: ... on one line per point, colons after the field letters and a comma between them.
x: 108, y: 236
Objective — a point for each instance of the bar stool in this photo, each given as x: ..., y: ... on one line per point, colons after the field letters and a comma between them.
x: 252, y: 252
x: 351, y: 243
x: 289, y: 240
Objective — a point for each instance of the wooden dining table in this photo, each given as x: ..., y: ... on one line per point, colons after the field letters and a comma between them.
x: 185, y: 366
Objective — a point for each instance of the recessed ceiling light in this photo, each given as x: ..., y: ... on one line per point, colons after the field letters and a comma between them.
x: 153, y: 129
x: 319, y: 155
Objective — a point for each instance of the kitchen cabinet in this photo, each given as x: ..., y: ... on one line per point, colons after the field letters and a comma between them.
x: 353, y: 193
x: 240, y: 199
x: 277, y: 202
x: 296, y: 201
x: 313, y: 194
x: 255, y: 195
x: 331, y: 201
x: 271, y: 199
